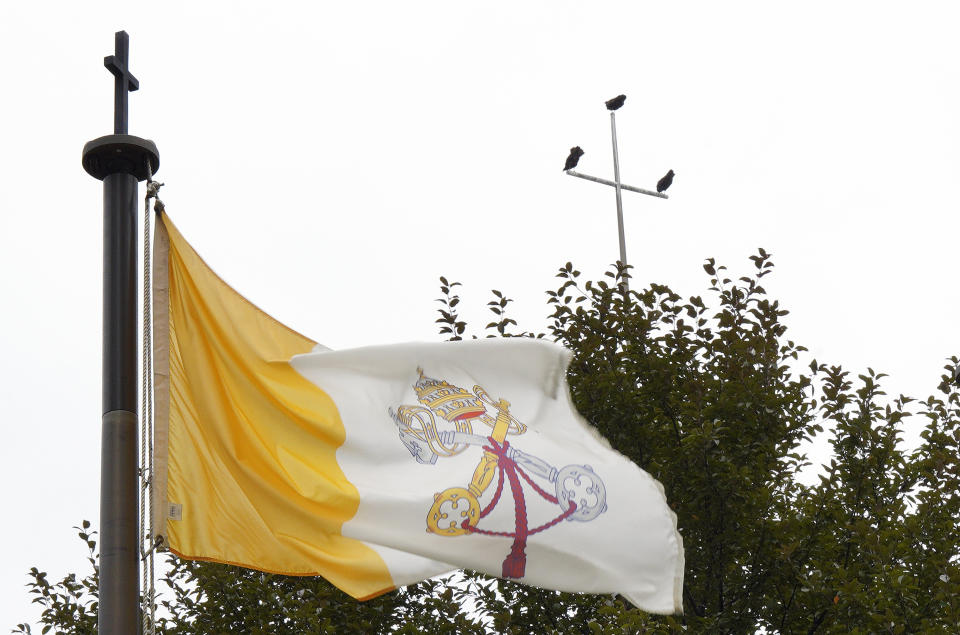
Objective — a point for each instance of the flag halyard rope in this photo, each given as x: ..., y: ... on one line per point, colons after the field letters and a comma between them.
x: 147, y: 542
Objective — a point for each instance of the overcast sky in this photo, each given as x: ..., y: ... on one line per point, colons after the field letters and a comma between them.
x: 332, y: 160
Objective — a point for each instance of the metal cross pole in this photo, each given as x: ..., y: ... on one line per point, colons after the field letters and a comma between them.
x: 120, y: 161
x: 616, y: 178
x: 618, y: 186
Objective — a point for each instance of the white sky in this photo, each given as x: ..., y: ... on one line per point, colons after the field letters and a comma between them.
x: 331, y: 160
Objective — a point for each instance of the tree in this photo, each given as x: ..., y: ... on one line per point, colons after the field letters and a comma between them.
x: 70, y: 605
x: 204, y: 597
x: 709, y: 396
x: 712, y: 402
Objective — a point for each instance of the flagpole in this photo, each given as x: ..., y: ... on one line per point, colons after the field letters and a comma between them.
x: 120, y: 161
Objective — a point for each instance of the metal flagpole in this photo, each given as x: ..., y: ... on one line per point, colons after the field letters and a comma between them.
x: 120, y: 161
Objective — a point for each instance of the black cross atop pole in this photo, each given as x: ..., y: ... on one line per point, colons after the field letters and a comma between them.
x: 119, y: 160
x: 125, y: 82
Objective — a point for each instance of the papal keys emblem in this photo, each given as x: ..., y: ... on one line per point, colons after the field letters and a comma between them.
x: 456, y: 511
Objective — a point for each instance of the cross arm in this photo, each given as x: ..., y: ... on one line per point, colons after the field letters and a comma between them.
x: 120, y: 72
x: 595, y: 179
x: 118, y: 63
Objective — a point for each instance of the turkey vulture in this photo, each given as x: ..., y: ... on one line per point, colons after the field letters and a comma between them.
x: 575, y: 153
x: 665, y: 182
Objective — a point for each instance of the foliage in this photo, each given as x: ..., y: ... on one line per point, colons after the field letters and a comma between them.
x: 708, y: 396
x: 204, y: 597
x: 69, y: 606
x: 214, y: 598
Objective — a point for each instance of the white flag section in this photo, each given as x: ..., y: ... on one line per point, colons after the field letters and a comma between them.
x: 471, y: 455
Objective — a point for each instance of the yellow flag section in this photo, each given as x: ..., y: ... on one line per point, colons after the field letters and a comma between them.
x: 245, y: 446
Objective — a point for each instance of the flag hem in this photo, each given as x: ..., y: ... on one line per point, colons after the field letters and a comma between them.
x: 161, y: 378
x: 307, y: 574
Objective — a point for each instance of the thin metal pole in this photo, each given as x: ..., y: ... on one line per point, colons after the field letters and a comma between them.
x: 616, y: 178
x: 119, y: 160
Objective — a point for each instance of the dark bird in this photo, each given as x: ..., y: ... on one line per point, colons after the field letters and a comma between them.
x: 665, y: 182
x: 575, y: 153
x: 616, y: 102
x: 956, y: 375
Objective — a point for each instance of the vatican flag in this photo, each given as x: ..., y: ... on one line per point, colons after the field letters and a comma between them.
x: 378, y: 467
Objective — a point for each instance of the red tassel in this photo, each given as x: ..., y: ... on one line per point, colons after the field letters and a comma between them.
x: 515, y: 564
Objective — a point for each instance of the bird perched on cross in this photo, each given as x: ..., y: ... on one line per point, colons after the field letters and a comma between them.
x: 575, y: 153
x: 616, y: 102
x: 665, y: 182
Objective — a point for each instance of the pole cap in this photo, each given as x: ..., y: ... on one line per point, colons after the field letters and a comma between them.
x: 120, y: 154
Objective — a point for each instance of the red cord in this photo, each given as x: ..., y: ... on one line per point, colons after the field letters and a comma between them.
x: 514, y: 564
x: 496, y: 496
